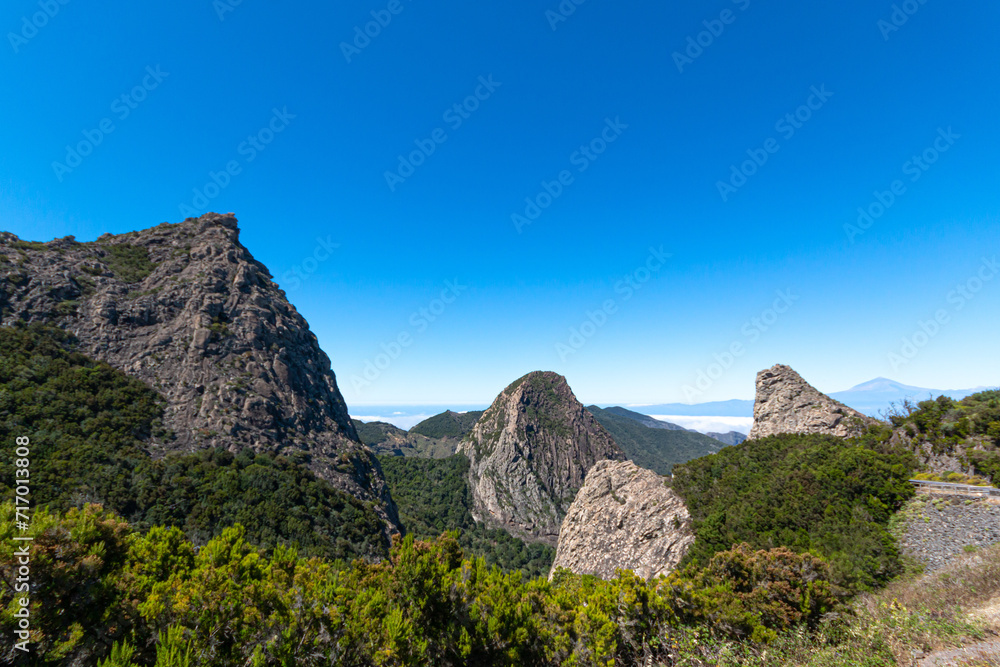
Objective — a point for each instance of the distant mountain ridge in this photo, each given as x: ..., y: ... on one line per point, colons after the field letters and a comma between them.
x: 645, y: 420
x: 730, y: 438
x: 872, y: 398
x: 435, y: 437
x: 654, y: 448
x: 878, y: 395
x: 448, y: 424
x: 388, y: 440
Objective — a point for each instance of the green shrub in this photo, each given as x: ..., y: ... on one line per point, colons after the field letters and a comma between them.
x: 806, y: 492
x: 755, y: 594
x: 130, y: 263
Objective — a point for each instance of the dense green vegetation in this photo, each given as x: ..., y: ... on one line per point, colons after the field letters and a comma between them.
x: 276, y: 500
x: 226, y: 559
x: 657, y: 449
x: 103, y: 593
x: 973, y: 424
x: 85, y: 419
x: 448, y: 424
x: 88, y: 423
x: 807, y: 492
x: 377, y: 433
x: 433, y: 497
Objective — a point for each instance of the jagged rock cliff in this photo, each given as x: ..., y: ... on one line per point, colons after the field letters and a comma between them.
x: 530, y: 453
x: 186, y: 308
x: 624, y: 517
x: 786, y: 403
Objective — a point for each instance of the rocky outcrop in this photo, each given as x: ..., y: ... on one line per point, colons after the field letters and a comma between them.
x: 786, y: 403
x: 186, y: 308
x: 530, y: 453
x: 624, y: 517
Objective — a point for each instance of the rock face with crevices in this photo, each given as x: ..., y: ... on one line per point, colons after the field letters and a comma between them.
x: 785, y: 403
x: 186, y: 308
x: 624, y: 517
x: 529, y: 453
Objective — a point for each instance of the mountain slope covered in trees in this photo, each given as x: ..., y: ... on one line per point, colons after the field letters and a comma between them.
x: 658, y: 449
x: 88, y: 424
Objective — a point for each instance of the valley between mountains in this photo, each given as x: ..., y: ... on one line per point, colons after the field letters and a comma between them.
x: 201, y: 496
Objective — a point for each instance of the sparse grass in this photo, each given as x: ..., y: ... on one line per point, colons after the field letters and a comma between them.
x: 925, y: 613
x: 952, y: 477
x: 87, y: 286
x: 29, y: 245
x: 66, y: 308
x: 130, y: 263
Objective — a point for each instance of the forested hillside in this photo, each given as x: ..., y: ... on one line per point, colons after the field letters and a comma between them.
x: 90, y: 425
x: 808, y: 492
x: 448, y: 424
x: 433, y: 497
x: 968, y: 429
x: 658, y: 449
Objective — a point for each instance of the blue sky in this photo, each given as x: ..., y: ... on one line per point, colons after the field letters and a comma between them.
x: 641, y: 138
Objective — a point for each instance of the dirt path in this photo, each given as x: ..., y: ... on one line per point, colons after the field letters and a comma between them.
x: 988, y: 651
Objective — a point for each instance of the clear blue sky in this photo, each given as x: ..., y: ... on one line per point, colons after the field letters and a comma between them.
x: 608, y: 65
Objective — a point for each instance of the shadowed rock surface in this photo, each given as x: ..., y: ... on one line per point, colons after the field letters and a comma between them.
x: 785, y: 403
x: 186, y: 308
x: 530, y: 453
x: 624, y: 517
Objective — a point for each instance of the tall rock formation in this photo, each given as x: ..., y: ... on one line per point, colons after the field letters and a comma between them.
x: 186, y: 308
x: 786, y: 403
x: 530, y: 453
x: 626, y: 518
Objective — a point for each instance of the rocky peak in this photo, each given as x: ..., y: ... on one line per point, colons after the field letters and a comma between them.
x: 530, y: 453
x: 785, y: 403
x: 624, y: 517
x: 186, y: 308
